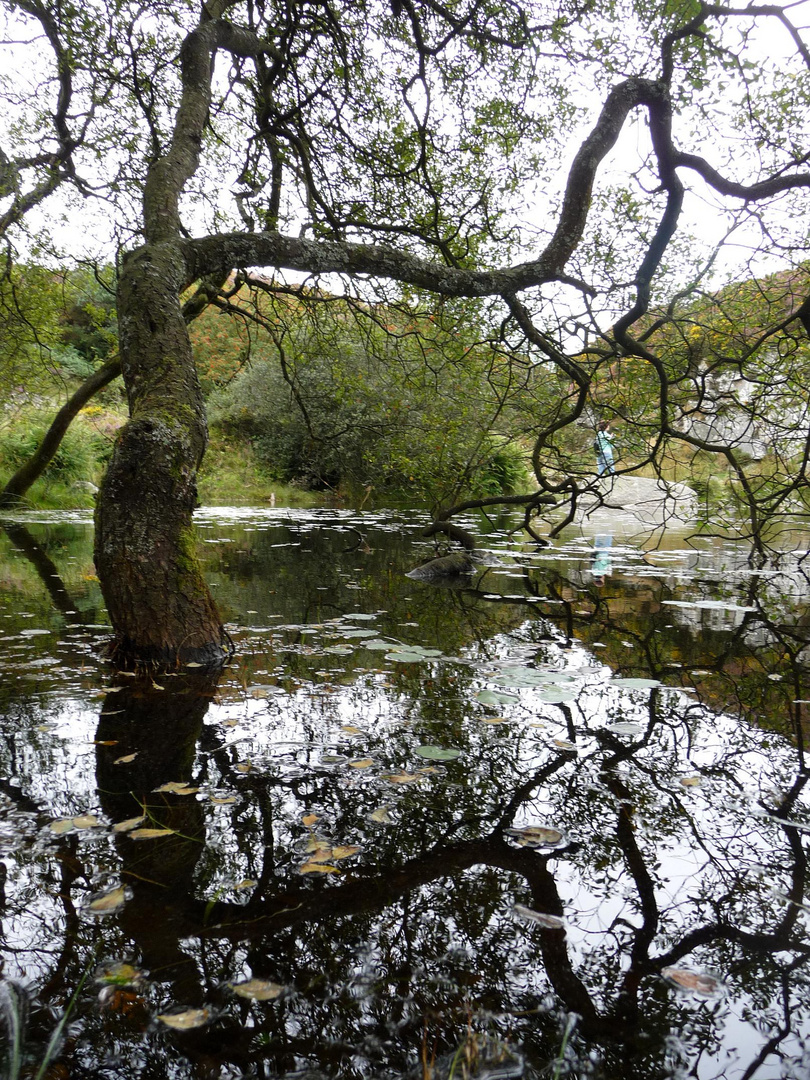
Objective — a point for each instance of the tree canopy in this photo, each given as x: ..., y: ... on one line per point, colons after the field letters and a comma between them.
x: 577, y: 170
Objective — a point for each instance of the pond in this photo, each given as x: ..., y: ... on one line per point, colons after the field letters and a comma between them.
x: 550, y: 822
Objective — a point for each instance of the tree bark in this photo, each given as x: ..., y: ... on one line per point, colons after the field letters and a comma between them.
x: 158, y: 601
x: 32, y: 469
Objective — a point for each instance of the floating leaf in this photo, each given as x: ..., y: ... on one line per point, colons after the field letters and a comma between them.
x: 401, y: 778
x: 62, y: 826
x: 311, y: 867
x: 692, y: 980
x: 344, y: 851
x: 690, y: 781
x: 319, y: 850
x: 257, y: 989
x: 185, y: 1021
x: 177, y: 787
x: 350, y: 729
x: 381, y: 816
x: 126, y: 759
x: 130, y: 823
x: 150, y: 834
x: 494, y: 719
x: 119, y: 973
x: 565, y: 744
x: 543, y: 918
x: 625, y: 727
x: 635, y: 684
x: 108, y: 902
x: 245, y: 883
x: 86, y: 821
x: 496, y: 697
x: 555, y: 695
x: 437, y: 753
x: 362, y: 763
x: 537, y: 836
x: 310, y: 819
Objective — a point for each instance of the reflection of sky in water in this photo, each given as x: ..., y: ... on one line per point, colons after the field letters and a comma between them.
x: 283, y: 708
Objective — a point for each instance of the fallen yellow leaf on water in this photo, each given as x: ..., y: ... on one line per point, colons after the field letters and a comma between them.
x: 126, y: 759
x: 310, y: 819
x: 109, y: 901
x: 130, y: 823
x: 257, y: 989
x: 363, y: 763
x: 185, y: 1021
x: 401, y: 778
x: 59, y: 828
x: 85, y: 821
x: 177, y: 787
x: 312, y: 867
x: 150, y: 834
x: 319, y: 853
x: 343, y: 851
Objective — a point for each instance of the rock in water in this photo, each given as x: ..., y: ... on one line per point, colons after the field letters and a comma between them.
x: 457, y: 562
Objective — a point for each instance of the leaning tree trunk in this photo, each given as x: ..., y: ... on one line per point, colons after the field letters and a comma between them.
x: 35, y: 466
x: 159, y: 604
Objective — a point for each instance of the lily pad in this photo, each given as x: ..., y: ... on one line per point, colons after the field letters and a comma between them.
x: 437, y: 753
x: 496, y: 697
x: 635, y: 684
x: 625, y: 727
x: 555, y: 695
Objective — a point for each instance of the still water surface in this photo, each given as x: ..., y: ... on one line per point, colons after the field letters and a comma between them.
x: 550, y: 823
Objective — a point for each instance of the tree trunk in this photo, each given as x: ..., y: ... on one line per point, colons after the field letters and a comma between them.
x: 161, y: 609
x: 32, y: 469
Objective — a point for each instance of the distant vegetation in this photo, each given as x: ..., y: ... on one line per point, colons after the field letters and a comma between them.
x: 304, y: 399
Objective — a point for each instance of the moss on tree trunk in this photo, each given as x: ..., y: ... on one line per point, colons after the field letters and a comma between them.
x: 160, y: 606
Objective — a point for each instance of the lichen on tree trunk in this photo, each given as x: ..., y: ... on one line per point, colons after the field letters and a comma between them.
x: 159, y: 604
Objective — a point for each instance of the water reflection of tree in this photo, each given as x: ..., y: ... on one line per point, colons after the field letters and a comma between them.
x: 417, y: 938
x: 421, y: 932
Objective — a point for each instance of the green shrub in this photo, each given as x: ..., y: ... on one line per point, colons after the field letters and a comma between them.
x: 371, y: 410
x: 80, y: 457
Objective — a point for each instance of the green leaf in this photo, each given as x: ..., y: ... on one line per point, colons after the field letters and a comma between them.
x: 437, y: 753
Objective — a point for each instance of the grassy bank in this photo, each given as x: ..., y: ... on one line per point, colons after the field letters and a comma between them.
x: 230, y: 476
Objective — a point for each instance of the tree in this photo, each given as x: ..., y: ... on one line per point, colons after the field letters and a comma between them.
x: 397, y: 145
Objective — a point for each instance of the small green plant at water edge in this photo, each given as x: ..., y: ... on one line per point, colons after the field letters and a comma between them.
x: 13, y: 1013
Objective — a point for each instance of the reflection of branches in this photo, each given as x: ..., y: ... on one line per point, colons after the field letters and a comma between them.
x: 50, y: 577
